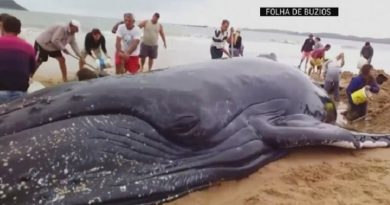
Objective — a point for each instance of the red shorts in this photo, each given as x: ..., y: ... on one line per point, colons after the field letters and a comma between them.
x: 306, y: 54
x: 131, y: 63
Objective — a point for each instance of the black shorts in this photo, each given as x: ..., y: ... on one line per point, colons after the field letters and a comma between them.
x: 215, y: 52
x: 148, y: 51
x: 42, y: 55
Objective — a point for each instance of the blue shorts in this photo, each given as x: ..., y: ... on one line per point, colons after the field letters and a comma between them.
x: 7, y: 96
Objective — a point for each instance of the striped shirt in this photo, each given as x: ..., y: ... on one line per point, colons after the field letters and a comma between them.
x: 219, y: 39
x: 17, y: 63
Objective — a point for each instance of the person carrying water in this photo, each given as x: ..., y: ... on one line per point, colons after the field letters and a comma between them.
x: 317, y: 59
x: 17, y: 61
x: 357, y: 92
x: 332, y: 75
x: 220, y: 37
x: 52, y: 42
x: 149, y: 45
x: 94, y: 43
x: 306, y: 50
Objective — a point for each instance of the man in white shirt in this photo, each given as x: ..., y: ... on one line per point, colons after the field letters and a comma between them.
x: 332, y: 75
x: 128, y: 38
x: 219, y: 39
x: 52, y: 42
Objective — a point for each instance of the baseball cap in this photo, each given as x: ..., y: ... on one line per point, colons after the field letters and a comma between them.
x: 75, y: 23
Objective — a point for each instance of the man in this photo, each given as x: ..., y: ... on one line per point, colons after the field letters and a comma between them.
x: 2, y: 19
x: 367, y: 52
x: 53, y: 41
x: 317, y: 58
x: 219, y: 39
x: 332, y: 75
x: 128, y: 38
x: 306, y: 50
x: 149, y: 45
x: 17, y: 61
x: 94, y: 41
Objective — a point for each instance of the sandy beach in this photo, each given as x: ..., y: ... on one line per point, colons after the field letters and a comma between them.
x: 316, y: 175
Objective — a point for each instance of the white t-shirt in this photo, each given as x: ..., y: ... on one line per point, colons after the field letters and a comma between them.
x: 128, y: 36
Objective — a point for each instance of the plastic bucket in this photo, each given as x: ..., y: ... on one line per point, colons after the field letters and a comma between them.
x: 359, y: 96
x: 102, y: 63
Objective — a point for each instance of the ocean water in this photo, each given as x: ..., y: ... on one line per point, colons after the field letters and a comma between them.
x: 188, y: 44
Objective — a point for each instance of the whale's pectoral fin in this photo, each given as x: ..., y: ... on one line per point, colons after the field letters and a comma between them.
x: 302, y: 130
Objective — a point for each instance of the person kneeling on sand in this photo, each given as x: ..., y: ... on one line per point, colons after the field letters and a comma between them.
x: 53, y: 41
x: 128, y: 38
x: 317, y: 59
x: 357, y: 92
x: 220, y: 37
x: 17, y: 61
x: 94, y: 41
x: 332, y: 75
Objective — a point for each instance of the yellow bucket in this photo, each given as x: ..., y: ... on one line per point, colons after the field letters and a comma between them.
x: 317, y: 61
x: 359, y: 96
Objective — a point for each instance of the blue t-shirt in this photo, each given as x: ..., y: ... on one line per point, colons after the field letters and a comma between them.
x: 358, y: 83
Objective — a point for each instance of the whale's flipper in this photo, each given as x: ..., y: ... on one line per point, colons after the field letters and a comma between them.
x: 303, y: 130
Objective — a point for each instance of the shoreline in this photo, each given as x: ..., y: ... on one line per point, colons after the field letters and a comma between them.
x: 10, y: 4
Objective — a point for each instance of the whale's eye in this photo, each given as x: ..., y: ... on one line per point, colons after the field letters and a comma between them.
x: 183, y: 124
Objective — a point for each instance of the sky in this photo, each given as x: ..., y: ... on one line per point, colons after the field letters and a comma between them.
x: 356, y: 17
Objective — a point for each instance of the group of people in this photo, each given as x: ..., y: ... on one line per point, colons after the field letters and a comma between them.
x: 19, y: 60
x: 359, y: 87
x: 313, y: 52
x: 130, y: 49
x: 221, y: 36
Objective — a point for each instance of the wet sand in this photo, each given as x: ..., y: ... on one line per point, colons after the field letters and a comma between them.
x: 316, y: 175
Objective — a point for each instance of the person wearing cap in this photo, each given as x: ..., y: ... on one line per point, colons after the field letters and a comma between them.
x: 306, y: 50
x: 367, y: 52
x: 53, y: 41
x: 149, y: 44
x: 17, y: 61
x: 93, y: 44
x: 128, y: 37
x: 364, y: 79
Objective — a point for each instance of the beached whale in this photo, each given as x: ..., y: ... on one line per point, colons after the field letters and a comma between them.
x: 154, y: 137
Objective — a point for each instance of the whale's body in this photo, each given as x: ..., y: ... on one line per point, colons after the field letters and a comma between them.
x: 153, y: 137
